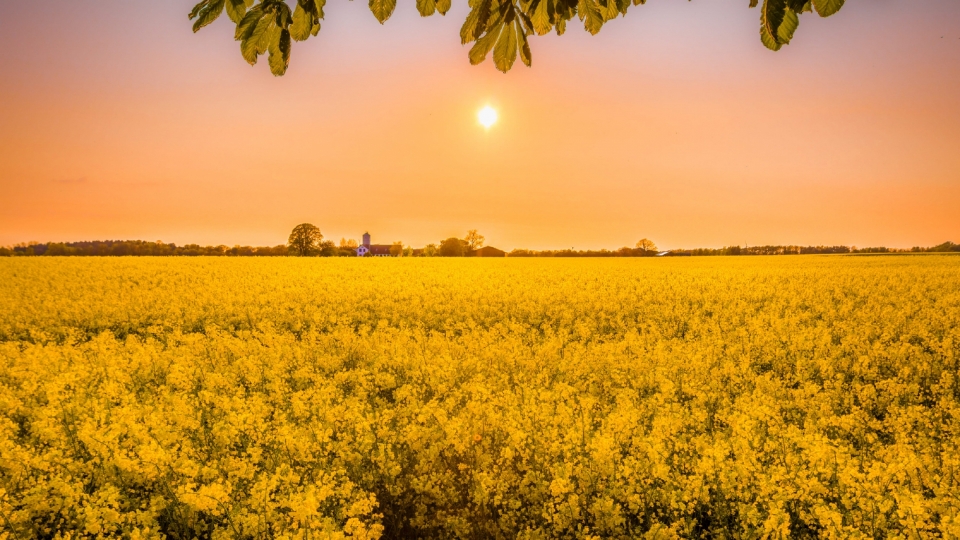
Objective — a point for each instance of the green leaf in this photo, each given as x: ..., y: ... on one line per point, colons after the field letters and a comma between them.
x: 469, y: 25
x: 525, y: 55
x: 308, y: 6
x: 590, y: 15
x: 505, y: 51
x: 483, y: 45
x: 280, y: 52
x: 768, y: 40
x: 283, y: 14
x: 771, y: 16
x: 426, y: 7
x: 319, y: 15
x: 285, y: 46
x: 443, y: 6
x: 382, y: 9
x: 236, y: 9
x: 825, y: 8
x: 249, y: 23
x: 259, y: 40
x: 791, y: 21
x: 541, y: 18
x: 303, y: 23
x: 527, y: 24
x: 610, y: 11
x: 205, y: 15
x: 483, y: 18
x: 508, y: 12
x: 797, y: 5
x: 198, y: 8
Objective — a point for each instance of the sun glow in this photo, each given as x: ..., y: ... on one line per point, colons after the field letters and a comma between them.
x: 487, y: 116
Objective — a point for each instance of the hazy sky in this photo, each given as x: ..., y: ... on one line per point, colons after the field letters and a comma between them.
x: 674, y: 123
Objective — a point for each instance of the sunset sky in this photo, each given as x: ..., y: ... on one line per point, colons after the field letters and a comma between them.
x: 674, y: 123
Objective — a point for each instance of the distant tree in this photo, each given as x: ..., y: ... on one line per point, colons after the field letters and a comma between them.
x: 276, y: 251
x: 396, y: 250
x: 474, y: 240
x: 430, y: 250
x: 304, y: 239
x: 945, y: 247
x: 646, y: 246
x: 497, y: 26
x: 347, y: 248
x: 241, y: 251
x: 453, y: 247
x: 28, y: 249
x: 408, y: 251
x: 522, y: 253
x: 328, y: 249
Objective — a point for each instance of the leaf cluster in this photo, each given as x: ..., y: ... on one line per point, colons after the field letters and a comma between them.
x: 264, y: 26
x: 502, y: 27
x: 779, y: 19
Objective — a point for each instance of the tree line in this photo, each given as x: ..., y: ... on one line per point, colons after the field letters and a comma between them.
x: 315, y: 246
x: 306, y: 240
x: 119, y: 248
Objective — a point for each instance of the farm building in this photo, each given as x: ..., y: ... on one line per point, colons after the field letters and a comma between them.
x: 489, y: 251
x: 372, y: 250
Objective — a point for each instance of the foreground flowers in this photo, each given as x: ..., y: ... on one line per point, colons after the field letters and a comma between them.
x: 806, y: 396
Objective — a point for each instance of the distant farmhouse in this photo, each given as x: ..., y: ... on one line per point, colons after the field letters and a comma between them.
x: 489, y: 251
x: 383, y: 250
x: 372, y: 250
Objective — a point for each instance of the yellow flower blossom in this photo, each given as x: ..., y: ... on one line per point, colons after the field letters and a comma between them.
x: 535, y: 399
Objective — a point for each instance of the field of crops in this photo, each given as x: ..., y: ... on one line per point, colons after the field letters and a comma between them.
x: 806, y: 396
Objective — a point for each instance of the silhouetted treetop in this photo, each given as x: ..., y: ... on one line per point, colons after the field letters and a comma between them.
x: 305, y: 239
x: 501, y: 26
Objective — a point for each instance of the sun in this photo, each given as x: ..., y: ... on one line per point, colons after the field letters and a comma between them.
x: 487, y: 116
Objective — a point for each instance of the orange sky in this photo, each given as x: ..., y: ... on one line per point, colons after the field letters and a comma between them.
x: 674, y: 123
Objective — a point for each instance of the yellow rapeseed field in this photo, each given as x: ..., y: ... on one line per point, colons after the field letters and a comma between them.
x: 808, y: 396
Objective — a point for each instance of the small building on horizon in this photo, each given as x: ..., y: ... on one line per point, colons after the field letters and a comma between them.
x: 366, y: 249
x: 489, y: 251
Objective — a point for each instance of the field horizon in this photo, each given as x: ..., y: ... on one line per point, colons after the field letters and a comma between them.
x: 316, y: 245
